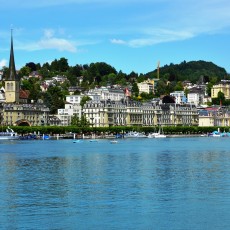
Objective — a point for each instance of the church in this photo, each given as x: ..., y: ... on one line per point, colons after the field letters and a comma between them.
x: 14, y: 107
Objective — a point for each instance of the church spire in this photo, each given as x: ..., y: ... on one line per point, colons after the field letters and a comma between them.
x: 12, y: 71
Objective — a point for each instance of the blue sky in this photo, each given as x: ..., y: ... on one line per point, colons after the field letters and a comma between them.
x: 130, y: 35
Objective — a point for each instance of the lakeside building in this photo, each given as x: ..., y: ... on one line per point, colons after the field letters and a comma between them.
x: 214, y: 116
x: 25, y: 114
x: 65, y: 115
x: 14, y: 108
x: 224, y: 87
x: 110, y: 113
x: 72, y: 108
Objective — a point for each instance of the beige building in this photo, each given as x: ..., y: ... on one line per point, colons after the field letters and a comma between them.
x: 145, y: 87
x: 176, y: 115
x: 105, y: 114
x: 214, y: 117
x: 25, y: 114
x: 224, y: 87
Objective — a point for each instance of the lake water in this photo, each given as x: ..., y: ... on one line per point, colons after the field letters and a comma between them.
x: 172, y: 183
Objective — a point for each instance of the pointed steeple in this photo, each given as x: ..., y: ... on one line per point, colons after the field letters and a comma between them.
x: 12, y: 70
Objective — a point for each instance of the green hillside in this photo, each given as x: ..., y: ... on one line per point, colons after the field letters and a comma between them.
x: 191, y: 71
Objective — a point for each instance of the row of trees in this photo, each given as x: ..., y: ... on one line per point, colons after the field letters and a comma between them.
x: 114, y: 130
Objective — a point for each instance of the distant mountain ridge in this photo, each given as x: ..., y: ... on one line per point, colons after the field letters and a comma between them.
x: 192, y: 71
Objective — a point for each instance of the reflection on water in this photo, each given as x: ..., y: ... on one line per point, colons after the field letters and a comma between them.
x: 136, y: 184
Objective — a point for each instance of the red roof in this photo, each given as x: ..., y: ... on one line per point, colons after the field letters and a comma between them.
x: 24, y: 94
x: 212, y: 108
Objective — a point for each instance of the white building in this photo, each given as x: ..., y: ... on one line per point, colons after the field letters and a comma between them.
x: 194, y: 98
x: 145, y: 87
x: 66, y: 114
x: 72, y: 107
x: 104, y: 93
x: 74, y: 99
x: 60, y: 79
x: 179, y: 97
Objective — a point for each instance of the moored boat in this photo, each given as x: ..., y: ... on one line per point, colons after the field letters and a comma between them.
x: 135, y: 134
x: 9, y: 134
x: 152, y: 135
x: 160, y: 134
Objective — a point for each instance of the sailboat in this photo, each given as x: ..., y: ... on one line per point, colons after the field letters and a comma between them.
x: 160, y: 134
x: 152, y: 135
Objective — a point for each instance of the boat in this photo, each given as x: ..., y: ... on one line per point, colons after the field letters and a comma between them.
x: 45, y: 137
x: 219, y: 134
x: 215, y: 134
x: 152, y: 135
x: 93, y: 140
x: 160, y: 134
x: 113, y: 142
x: 28, y: 137
x: 77, y: 141
x: 118, y: 135
x: 135, y: 134
x: 9, y: 134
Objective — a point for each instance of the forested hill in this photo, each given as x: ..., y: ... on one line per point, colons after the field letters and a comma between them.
x: 192, y: 71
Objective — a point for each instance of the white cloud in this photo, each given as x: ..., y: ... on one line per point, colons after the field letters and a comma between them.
x: 57, y: 43
x: 117, y: 41
x: 152, y: 37
x: 3, y: 63
x: 181, y: 22
x: 49, y: 41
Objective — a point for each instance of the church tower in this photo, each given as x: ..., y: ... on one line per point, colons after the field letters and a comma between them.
x: 12, y: 81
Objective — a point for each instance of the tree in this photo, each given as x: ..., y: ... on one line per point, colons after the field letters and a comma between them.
x: 84, y: 100
x: 32, y: 66
x: 82, y: 122
x: 221, y: 97
x: 179, y: 86
x: 44, y: 71
x: 63, y: 65
x: 168, y: 99
x: 5, y: 71
x: 24, y: 71
x: 75, y: 120
x: 209, y: 88
x: 33, y: 85
x: 73, y: 73
x: 161, y: 88
x: 54, y: 98
x: 46, y: 65
x: 111, y: 78
x: 135, y: 89
x: 132, y: 77
x: 54, y: 65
